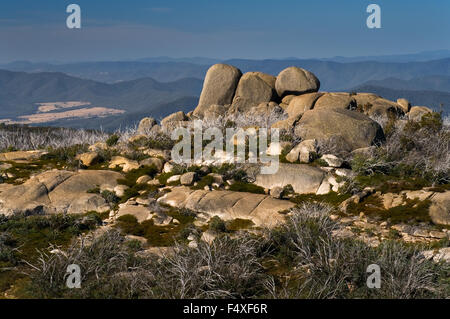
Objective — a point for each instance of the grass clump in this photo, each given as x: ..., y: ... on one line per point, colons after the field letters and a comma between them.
x: 157, y: 236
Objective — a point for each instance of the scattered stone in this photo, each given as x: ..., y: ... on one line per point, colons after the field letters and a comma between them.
x: 332, y: 160
x: 276, y: 192
x: 168, y: 168
x: 157, y: 162
x: 303, y: 151
x: 188, y: 178
x: 154, y: 182
x: 173, y: 179
x: 217, y: 178
x: 123, y: 162
x: 120, y: 190
x: 143, y: 179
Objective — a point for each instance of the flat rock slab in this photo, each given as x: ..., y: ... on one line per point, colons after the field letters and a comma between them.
x: 304, y: 179
x: 21, y: 155
x: 58, y: 192
x: 262, y: 210
x: 140, y: 212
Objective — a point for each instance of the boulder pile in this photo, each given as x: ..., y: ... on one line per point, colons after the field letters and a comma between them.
x: 349, y: 120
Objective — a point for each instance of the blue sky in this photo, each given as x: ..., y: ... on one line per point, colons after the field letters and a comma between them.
x: 113, y: 30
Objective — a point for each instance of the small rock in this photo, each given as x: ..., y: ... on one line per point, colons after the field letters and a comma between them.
x: 208, y: 236
x: 276, y: 192
x: 188, y: 178
x: 173, y: 179
x: 332, y: 160
x: 157, y: 162
x: 168, y: 168
x: 193, y: 244
x: 143, y: 179
x: 120, y: 190
x: 217, y: 178
x: 154, y: 182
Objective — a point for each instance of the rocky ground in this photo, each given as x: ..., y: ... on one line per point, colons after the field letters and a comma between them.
x: 362, y: 156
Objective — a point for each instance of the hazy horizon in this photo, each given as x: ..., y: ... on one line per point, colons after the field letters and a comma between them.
x: 116, y: 31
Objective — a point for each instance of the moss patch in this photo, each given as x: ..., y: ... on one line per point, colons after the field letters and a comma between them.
x: 246, y: 187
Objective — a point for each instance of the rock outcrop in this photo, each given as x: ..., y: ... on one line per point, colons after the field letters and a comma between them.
x: 262, y: 210
x: 58, y: 192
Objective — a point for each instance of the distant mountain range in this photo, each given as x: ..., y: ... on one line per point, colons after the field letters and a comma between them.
x: 333, y: 75
x: 413, y: 57
x: 431, y: 82
x: 125, y: 91
x: 20, y: 92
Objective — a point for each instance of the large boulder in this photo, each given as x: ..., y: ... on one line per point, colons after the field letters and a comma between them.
x: 383, y: 108
x: 300, y: 104
x: 440, y: 208
x: 58, y: 192
x: 304, y: 179
x: 294, y: 80
x: 350, y: 130
x: 218, y: 88
x: 338, y: 100
x: 253, y: 88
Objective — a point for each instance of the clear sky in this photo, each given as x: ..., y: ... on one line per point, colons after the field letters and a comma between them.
x: 36, y: 30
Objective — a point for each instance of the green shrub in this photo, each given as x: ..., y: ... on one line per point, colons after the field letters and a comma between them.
x: 112, y: 140
x: 216, y: 224
x: 110, y: 197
